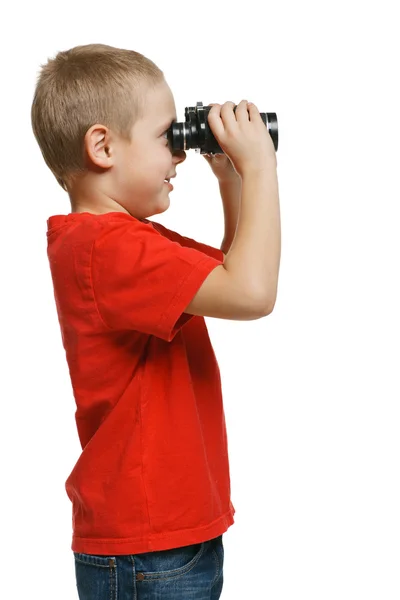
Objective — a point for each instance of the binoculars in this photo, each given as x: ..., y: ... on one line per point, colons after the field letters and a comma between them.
x: 195, y: 131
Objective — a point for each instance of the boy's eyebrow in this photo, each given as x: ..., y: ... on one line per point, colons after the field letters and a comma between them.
x: 168, y: 124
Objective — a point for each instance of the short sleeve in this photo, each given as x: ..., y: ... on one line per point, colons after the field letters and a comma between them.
x: 188, y: 242
x: 143, y: 281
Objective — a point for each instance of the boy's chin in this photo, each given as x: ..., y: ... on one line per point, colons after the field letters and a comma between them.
x: 163, y: 205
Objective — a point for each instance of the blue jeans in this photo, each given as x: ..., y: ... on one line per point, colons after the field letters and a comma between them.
x: 189, y: 573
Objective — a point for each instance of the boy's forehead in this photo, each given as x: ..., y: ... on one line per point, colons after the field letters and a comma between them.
x: 162, y: 117
x: 159, y: 107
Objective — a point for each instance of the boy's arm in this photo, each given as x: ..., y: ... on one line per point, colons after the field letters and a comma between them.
x: 143, y: 281
x: 231, y: 192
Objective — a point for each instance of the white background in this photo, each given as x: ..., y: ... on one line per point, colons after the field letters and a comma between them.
x: 312, y: 391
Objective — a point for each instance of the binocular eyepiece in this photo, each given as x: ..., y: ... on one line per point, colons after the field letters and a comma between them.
x: 196, y: 133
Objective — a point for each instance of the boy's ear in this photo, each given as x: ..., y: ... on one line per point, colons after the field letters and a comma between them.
x: 97, y: 143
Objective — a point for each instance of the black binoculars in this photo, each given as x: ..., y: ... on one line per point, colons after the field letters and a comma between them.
x: 195, y: 131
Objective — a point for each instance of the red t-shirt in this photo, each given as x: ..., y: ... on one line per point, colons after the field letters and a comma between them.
x: 154, y: 472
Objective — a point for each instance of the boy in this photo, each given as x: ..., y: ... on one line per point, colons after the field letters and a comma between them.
x: 150, y: 491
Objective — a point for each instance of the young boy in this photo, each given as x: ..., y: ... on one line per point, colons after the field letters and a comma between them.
x: 150, y: 491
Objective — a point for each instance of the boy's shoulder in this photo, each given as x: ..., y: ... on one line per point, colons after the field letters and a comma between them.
x: 119, y: 228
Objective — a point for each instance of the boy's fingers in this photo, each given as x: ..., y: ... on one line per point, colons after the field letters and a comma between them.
x: 242, y: 109
x: 214, y: 119
x: 228, y: 114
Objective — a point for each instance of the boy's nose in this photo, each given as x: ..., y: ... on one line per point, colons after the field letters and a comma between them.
x: 179, y: 156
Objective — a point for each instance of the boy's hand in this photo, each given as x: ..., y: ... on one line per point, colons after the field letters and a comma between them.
x: 242, y: 135
x: 221, y: 166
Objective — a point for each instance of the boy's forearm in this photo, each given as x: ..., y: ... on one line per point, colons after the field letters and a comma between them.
x: 231, y: 195
x: 254, y: 256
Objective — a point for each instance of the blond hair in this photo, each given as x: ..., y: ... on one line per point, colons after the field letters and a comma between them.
x: 82, y: 86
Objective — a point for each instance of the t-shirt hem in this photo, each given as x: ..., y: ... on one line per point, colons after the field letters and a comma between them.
x: 154, y: 542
